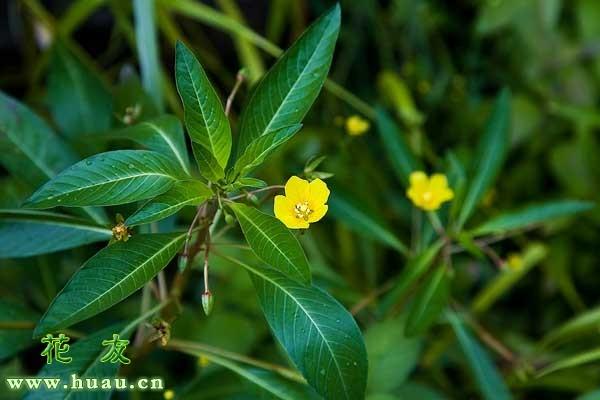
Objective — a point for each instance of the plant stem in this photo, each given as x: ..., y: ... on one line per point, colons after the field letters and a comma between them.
x: 239, y: 79
x: 256, y: 191
x: 197, y: 349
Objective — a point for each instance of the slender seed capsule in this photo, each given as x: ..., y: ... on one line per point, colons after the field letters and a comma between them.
x: 182, y: 263
x: 207, y: 302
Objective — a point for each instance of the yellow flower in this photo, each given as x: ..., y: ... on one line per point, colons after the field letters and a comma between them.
x: 356, y: 126
x: 169, y: 394
x: 428, y: 193
x: 303, y: 203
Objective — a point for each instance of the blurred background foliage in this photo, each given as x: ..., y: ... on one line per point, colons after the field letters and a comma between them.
x: 436, y: 66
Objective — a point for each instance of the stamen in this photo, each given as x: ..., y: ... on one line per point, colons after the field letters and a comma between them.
x: 302, y: 211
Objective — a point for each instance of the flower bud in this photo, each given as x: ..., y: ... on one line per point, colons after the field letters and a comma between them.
x: 207, y: 302
x: 229, y: 219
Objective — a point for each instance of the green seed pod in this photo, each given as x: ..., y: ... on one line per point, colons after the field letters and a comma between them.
x: 207, y: 302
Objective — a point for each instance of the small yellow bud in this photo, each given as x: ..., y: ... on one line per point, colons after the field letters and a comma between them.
x: 514, y: 262
x: 203, y: 361
x: 169, y: 394
x: 356, y: 126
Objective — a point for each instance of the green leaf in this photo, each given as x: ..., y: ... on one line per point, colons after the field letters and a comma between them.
x: 13, y: 340
x: 245, y: 183
x: 26, y: 233
x: 30, y: 150
x: 85, y: 362
x: 271, y: 382
x: 363, y: 222
x: 532, y: 215
x: 320, y: 336
x: 115, y: 177
x: 586, y: 323
x: 586, y: 357
x: 487, y: 376
x: 181, y: 194
x: 412, y: 271
x: 207, y: 163
x: 78, y: 100
x: 163, y: 134
x: 263, y: 146
x: 110, y: 276
x: 287, y: 91
x: 397, y: 149
x: 392, y: 355
x: 490, y: 155
x: 429, y: 302
x: 147, y: 48
x: 205, y: 118
x: 273, y: 243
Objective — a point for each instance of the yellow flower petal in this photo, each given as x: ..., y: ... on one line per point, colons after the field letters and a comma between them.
x: 438, y: 182
x: 317, y: 214
x: 446, y: 194
x: 418, y: 180
x: 297, y: 190
x: 318, y: 193
x: 295, y: 223
x: 282, y: 207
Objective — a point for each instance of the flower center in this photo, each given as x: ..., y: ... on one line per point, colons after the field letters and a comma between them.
x: 302, y: 211
x: 427, y: 196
